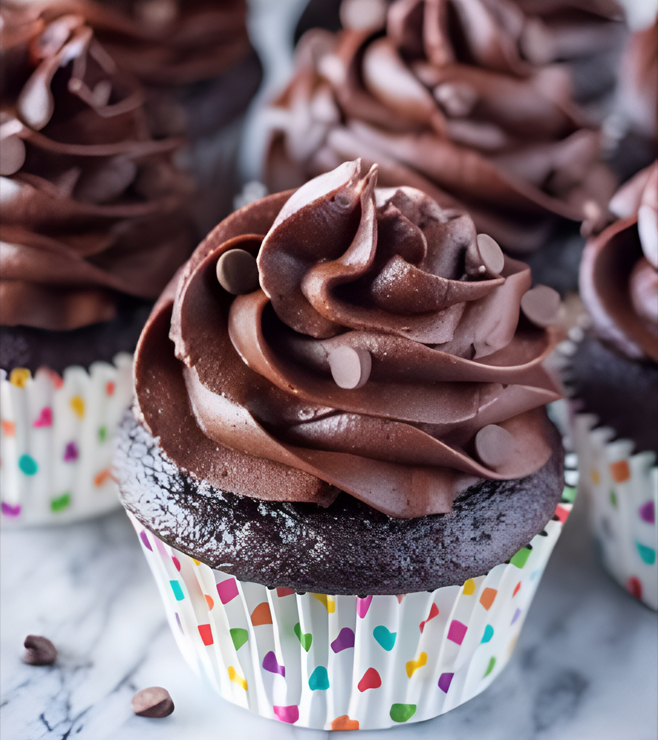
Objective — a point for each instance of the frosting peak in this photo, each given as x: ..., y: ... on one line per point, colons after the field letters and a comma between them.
x: 382, y: 352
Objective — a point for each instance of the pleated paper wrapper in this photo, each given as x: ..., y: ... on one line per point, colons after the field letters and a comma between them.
x: 347, y: 662
x: 56, y: 441
x: 622, y: 486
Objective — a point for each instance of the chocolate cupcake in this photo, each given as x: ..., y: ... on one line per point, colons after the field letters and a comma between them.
x: 200, y: 73
x: 95, y: 220
x: 634, y: 121
x: 613, y: 377
x: 342, y: 396
x: 449, y: 99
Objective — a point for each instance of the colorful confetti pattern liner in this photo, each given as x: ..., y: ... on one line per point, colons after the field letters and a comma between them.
x: 623, y: 492
x: 347, y: 662
x: 56, y: 441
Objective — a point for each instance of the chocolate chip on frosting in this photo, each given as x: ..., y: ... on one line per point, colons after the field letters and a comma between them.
x: 153, y: 702
x: 237, y: 272
x: 350, y: 367
x: 39, y: 651
x: 456, y: 99
x: 541, y: 305
x: 363, y: 15
x: 484, y: 257
x: 12, y: 155
x: 494, y: 445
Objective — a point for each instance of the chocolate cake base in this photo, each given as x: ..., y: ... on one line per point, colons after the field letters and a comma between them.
x: 346, y: 548
x: 25, y: 346
x: 622, y: 392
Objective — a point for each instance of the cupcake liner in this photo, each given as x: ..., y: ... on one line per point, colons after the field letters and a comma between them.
x: 347, y: 662
x: 623, y: 490
x: 56, y: 441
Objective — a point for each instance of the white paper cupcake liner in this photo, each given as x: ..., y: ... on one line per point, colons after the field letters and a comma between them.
x: 347, y: 662
x: 623, y: 490
x: 56, y: 441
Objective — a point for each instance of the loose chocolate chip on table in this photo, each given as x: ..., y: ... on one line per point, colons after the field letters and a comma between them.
x: 237, y: 272
x: 494, y: 445
x: 541, y: 305
x: 153, y: 702
x: 350, y: 367
x: 485, y: 257
x: 39, y: 651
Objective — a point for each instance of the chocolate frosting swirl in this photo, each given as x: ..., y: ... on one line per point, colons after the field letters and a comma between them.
x: 456, y: 383
x: 164, y: 42
x: 619, y: 270
x: 93, y: 208
x: 449, y: 99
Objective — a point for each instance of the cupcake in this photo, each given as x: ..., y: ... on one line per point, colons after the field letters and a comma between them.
x: 199, y: 71
x: 95, y: 220
x: 454, y: 99
x: 340, y: 466
x: 634, y: 122
x: 613, y: 378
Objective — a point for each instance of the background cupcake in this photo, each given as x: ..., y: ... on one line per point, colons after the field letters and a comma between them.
x: 95, y: 220
x: 350, y: 407
x: 613, y: 373
x: 450, y: 101
x: 199, y: 73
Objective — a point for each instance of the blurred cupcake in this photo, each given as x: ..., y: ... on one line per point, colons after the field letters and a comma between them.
x: 585, y: 35
x: 634, y: 123
x: 199, y: 71
x: 340, y: 401
x: 450, y: 101
x: 613, y: 373
x: 95, y: 220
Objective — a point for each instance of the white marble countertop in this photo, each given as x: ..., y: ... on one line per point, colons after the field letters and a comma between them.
x: 585, y: 668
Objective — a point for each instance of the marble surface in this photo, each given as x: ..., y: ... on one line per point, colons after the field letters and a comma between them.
x: 586, y: 665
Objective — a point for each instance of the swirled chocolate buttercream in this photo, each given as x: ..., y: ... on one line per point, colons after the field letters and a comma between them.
x: 619, y: 271
x: 349, y: 337
x: 464, y: 98
x: 93, y: 208
x: 166, y: 42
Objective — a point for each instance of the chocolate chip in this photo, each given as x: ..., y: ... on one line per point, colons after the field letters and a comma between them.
x: 363, y: 15
x: 541, y: 305
x: 153, y: 702
x: 350, y: 367
x: 484, y: 258
x: 237, y: 272
x: 456, y: 99
x: 494, y: 445
x: 39, y: 651
x: 12, y: 155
